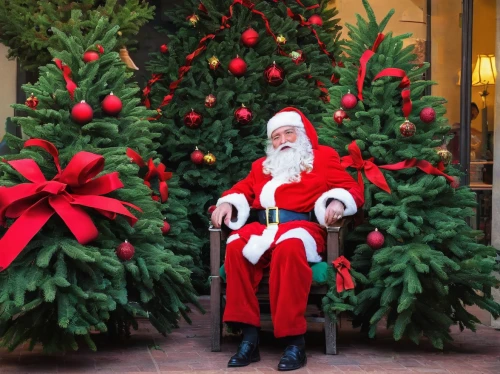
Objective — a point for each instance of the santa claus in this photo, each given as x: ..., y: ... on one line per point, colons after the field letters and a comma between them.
x: 298, y: 188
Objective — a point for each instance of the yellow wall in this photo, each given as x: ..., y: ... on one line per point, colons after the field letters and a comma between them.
x: 8, y: 92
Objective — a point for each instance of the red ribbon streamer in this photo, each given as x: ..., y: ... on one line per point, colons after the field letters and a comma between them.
x: 363, y: 61
x: 66, y: 70
x: 405, y: 84
x: 344, y: 279
x: 153, y: 171
x: 311, y: 7
x: 33, y: 204
x: 374, y: 175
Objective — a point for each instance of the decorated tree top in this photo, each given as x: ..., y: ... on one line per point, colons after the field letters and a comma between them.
x: 419, y: 262
x: 85, y: 244
x: 26, y: 25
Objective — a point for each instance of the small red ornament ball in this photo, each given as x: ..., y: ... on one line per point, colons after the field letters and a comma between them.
x: 375, y: 239
x: 348, y: 101
x: 82, y: 113
x: 112, y: 105
x: 211, y: 209
x: 125, y: 251
x: 339, y: 116
x: 316, y: 19
x: 274, y: 74
x: 237, y: 66
x: 197, y: 156
x: 243, y: 115
x: 407, y: 129
x: 250, y: 37
x: 90, y: 56
x: 166, y: 228
x: 193, y: 119
x: 428, y: 115
x: 164, y: 48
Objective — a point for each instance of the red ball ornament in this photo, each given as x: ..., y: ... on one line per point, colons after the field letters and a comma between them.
x: 237, y: 66
x: 166, y: 228
x: 375, y: 239
x: 82, y: 113
x: 197, y: 156
x: 428, y: 115
x: 348, y: 101
x: 243, y: 115
x: 90, y: 56
x: 274, y: 74
x: 250, y: 37
x: 164, y: 48
x: 210, y: 101
x: 407, y: 129
x: 316, y: 19
x: 112, y: 105
x: 125, y: 251
x: 211, y: 209
x: 193, y: 119
x: 339, y: 116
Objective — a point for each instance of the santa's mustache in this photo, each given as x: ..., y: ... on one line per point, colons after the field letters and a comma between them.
x: 286, y: 145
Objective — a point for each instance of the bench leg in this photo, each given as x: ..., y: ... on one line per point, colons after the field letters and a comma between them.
x: 215, y: 313
x: 330, y: 336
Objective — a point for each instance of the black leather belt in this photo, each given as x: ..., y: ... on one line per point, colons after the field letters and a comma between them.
x: 275, y: 216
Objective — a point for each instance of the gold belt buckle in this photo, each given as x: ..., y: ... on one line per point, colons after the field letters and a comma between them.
x: 276, y: 209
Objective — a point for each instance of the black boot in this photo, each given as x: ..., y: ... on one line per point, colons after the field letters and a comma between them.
x: 248, y: 351
x: 293, y: 358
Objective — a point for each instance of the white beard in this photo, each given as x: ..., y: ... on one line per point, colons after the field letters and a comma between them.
x: 288, y: 164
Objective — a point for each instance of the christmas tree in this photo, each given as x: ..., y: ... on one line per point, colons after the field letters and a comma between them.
x: 231, y: 65
x: 417, y: 262
x: 26, y: 25
x: 85, y: 244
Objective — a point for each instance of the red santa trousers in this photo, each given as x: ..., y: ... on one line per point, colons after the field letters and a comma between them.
x: 290, y: 280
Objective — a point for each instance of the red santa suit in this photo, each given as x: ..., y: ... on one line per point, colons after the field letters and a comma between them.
x: 287, y: 248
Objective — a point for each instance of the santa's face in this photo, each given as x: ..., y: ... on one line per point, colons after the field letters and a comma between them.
x: 282, y: 135
x: 289, y: 153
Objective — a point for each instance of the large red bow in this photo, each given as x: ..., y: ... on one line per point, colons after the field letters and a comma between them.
x: 71, y: 189
x: 153, y: 171
x: 372, y: 172
x: 344, y: 280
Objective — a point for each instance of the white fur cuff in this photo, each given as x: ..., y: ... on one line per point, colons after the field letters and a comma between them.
x: 338, y: 194
x: 284, y: 119
x: 258, y: 244
x: 239, y: 201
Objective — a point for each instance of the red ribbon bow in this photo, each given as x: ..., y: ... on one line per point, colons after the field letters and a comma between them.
x: 344, y: 280
x: 71, y: 189
x: 66, y: 70
x: 372, y: 172
x: 363, y: 61
x: 153, y: 171
x: 374, y: 175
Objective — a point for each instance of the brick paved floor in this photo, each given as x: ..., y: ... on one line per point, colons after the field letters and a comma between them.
x: 188, y: 350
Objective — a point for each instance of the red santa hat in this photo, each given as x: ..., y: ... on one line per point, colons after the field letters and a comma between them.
x: 293, y: 117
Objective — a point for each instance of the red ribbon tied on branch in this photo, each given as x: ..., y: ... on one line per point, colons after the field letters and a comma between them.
x: 344, y: 279
x: 66, y: 70
x: 405, y: 84
x: 73, y: 188
x: 372, y: 172
x: 363, y: 61
x: 153, y: 171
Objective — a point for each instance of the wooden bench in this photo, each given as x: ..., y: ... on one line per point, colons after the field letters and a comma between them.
x: 334, y: 249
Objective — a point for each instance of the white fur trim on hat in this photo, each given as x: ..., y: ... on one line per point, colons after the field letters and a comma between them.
x: 239, y: 201
x: 284, y: 119
x: 335, y: 193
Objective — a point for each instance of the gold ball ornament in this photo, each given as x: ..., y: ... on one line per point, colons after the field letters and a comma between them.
x: 445, y: 155
x: 280, y: 39
x: 213, y: 63
x: 209, y: 159
x: 193, y: 20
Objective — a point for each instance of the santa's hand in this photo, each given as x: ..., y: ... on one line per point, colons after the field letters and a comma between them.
x: 223, y: 210
x: 334, y: 212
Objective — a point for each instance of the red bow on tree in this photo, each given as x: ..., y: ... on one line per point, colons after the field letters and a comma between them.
x: 71, y: 189
x: 344, y: 280
x: 153, y: 171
